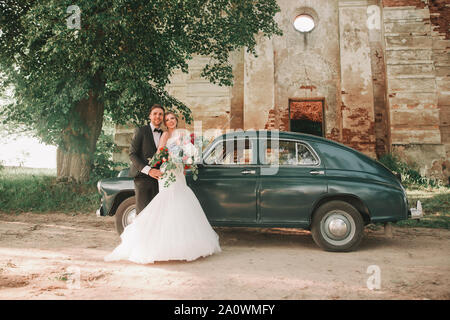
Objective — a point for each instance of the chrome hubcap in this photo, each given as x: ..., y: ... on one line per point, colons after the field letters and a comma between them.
x: 338, y: 227
x: 129, y: 216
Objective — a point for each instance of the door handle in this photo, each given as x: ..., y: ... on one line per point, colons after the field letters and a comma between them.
x: 317, y: 172
x: 248, y: 172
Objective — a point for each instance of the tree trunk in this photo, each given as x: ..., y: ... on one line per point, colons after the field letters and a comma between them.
x: 74, y: 160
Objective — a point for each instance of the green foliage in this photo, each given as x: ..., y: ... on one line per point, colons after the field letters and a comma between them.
x: 103, y: 166
x: 123, y: 55
x: 410, y: 177
x: 436, y: 208
x: 37, y: 190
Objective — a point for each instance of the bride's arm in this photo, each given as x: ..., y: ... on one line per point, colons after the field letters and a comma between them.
x: 163, y: 140
x: 162, y: 144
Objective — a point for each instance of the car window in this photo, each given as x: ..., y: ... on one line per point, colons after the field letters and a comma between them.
x: 289, y: 153
x: 233, y: 151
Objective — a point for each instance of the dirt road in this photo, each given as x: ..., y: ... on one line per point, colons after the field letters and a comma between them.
x: 60, y: 256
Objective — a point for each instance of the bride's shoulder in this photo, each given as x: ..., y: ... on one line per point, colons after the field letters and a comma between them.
x: 165, y: 134
x: 177, y: 131
x: 180, y: 133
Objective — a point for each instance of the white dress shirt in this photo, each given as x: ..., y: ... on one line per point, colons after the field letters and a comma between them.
x: 156, y: 138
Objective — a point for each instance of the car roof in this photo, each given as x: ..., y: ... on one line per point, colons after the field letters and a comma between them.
x: 293, y: 135
x: 305, y: 137
x: 282, y: 134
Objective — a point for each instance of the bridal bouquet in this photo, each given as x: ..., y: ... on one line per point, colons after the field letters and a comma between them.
x: 183, y: 153
x: 159, y: 158
x: 186, y: 152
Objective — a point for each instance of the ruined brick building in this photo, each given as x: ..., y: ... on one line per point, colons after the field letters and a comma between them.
x: 371, y: 74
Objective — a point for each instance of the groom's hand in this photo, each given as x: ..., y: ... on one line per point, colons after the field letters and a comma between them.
x: 155, y: 173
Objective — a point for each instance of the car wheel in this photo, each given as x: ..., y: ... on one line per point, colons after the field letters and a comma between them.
x: 337, y: 226
x: 125, y: 214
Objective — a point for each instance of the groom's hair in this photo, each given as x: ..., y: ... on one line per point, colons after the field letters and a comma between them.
x: 156, y: 106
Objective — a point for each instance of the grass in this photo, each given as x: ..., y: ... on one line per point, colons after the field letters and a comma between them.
x: 36, y: 190
x: 435, y: 205
x: 25, y: 190
x: 409, y: 172
x: 434, y: 196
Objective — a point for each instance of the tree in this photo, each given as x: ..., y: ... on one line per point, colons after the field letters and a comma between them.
x: 118, y: 61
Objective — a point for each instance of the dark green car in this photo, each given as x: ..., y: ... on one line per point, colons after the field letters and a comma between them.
x: 282, y: 179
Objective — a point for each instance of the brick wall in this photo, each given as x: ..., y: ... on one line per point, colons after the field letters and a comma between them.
x: 417, y: 42
x: 440, y: 16
x: 404, y: 3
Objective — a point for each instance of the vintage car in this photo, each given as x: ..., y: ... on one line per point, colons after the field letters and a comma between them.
x: 282, y: 179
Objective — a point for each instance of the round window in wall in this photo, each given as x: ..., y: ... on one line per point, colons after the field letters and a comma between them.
x: 304, y: 23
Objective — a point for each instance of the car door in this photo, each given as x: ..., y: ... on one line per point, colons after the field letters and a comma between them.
x: 226, y: 184
x: 288, y: 196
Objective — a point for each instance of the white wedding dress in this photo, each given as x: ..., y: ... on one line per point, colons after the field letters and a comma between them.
x: 172, y: 226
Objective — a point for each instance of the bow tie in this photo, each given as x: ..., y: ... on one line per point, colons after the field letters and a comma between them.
x: 157, y: 130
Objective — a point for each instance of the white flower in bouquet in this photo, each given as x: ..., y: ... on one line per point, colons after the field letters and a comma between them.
x: 189, y: 150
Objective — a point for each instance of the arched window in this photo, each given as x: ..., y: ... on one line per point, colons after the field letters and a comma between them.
x: 304, y: 23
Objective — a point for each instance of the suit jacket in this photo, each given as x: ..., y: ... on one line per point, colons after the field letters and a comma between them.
x: 142, y: 147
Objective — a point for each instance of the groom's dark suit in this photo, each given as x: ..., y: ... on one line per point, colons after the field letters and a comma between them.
x: 142, y: 147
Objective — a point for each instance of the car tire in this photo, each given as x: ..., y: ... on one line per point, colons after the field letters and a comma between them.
x: 124, y: 213
x: 337, y: 226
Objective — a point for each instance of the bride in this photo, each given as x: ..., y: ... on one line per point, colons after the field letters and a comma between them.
x: 173, y: 225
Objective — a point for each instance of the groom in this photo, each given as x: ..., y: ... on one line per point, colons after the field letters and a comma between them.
x: 144, y: 145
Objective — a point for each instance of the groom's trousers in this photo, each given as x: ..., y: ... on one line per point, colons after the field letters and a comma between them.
x: 146, y: 188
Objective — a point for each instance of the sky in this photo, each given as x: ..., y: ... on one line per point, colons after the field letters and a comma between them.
x: 27, y: 152
x: 22, y: 150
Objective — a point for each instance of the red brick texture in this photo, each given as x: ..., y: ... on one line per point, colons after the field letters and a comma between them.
x: 439, y: 10
x: 307, y: 110
x: 440, y: 16
x: 404, y: 3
